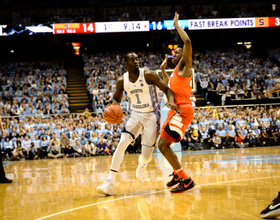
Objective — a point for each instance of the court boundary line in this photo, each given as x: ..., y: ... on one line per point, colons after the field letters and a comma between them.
x: 143, y: 194
x: 9, y: 162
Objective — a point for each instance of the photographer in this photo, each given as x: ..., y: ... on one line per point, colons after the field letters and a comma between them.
x: 239, y: 140
x: 194, y: 139
x: 228, y: 141
x: 53, y: 151
x: 263, y: 138
x: 17, y: 153
x: 251, y: 139
x: 32, y: 152
x: 216, y: 141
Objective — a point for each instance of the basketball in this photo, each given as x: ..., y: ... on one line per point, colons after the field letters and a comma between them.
x: 113, y: 114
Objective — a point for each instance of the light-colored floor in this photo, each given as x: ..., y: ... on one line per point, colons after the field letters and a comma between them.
x: 231, y: 184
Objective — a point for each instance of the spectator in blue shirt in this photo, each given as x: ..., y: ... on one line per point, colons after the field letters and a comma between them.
x: 221, y: 132
x: 80, y: 130
x: 240, y: 122
x: 220, y: 123
x: 32, y: 134
x: 203, y: 123
x: 94, y: 139
x: 99, y: 131
x: 8, y: 147
x: 265, y: 120
x: 44, y: 147
x: 204, y: 136
x: 83, y: 140
x: 231, y: 131
x: 57, y: 131
x: 244, y: 131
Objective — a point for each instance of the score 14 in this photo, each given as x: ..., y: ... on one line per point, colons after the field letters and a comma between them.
x: 88, y: 27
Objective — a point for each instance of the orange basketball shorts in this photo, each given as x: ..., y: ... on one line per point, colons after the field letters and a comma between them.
x: 176, y: 124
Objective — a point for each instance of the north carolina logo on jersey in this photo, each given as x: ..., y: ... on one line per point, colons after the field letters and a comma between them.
x: 143, y: 97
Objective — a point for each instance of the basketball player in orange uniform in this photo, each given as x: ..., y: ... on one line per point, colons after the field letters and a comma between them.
x: 176, y: 123
x: 273, y: 209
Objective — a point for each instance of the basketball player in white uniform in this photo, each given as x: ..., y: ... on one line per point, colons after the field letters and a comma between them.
x: 140, y: 86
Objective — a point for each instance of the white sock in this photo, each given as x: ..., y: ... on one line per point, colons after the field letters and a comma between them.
x: 125, y: 140
x: 147, y: 154
x: 112, y: 176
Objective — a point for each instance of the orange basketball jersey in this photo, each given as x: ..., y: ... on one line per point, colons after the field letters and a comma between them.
x: 176, y: 123
x: 181, y: 87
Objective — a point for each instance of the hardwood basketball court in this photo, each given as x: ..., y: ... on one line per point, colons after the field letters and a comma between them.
x: 231, y: 184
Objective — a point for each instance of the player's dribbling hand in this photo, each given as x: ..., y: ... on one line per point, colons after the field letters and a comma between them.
x: 172, y: 106
x: 164, y: 62
x: 176, y: 18
x: 114, y: 102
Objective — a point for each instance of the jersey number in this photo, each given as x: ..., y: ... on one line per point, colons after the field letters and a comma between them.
x: 138, y: 100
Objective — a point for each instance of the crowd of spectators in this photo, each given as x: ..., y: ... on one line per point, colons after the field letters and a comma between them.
x: 81, y: 135
x: 231, y: 74
x: 155, y: 14
x: 88, y: 15
x: 152, y: 13
x: 26, y: 17
x: 235, y: 74
x: 219, y: 128
x: 33, y: 88
x: 57, y: 136
x: 73, y: 15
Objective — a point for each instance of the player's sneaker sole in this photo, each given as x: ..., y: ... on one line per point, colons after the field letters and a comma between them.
x: 271, y: 214
x: 106, y: 188
x: 273, y: 210
x: 183, y: 186
x: 102, y: 191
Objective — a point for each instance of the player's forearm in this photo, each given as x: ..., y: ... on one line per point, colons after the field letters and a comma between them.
x: 114, y: 101
x: 184, y: 36
x: 165, y: 76
x: 170, y: 96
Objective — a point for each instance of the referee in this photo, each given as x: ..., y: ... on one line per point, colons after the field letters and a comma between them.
x: 3, y: 178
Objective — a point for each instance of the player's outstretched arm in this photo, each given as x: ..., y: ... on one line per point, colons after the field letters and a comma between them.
x: 152, y: 78
x: 187, y: 49
x: 274, y: 89
x: 117, y: 97
x: 164, y: 74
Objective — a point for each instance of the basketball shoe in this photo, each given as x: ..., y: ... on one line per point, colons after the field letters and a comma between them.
x: 141, y: 169
x: 273, y: 210
x: 106, y: 188
x: 184, y: 185
x: 174, y: 180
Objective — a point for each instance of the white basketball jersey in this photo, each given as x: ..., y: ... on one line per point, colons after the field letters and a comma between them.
x: 143, y: 97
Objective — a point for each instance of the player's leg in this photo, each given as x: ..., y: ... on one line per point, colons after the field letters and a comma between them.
x: 149, y: 136
x: 131, y: 131
x: 172, y: 131
x: 3, y: 178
